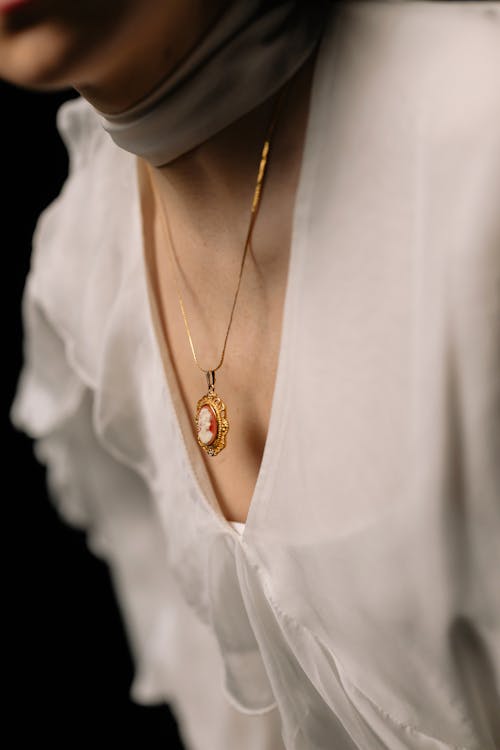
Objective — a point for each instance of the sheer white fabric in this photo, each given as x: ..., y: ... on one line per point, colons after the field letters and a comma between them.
x: 240, y: 527
x: 359, y: 608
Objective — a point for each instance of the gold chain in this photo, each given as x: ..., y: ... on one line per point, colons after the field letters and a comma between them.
x: 253, y: 215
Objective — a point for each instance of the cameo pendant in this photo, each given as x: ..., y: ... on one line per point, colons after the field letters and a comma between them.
x: 210, y: 420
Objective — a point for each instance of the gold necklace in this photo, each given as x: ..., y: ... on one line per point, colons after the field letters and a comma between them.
x: 210, y: 418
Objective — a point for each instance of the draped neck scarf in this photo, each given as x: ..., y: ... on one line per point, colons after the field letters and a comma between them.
x: 249, y: 52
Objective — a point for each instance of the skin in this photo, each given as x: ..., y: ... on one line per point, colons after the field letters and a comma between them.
x: 114, y: 53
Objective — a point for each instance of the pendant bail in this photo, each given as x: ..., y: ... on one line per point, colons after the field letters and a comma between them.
x: 210, y: 380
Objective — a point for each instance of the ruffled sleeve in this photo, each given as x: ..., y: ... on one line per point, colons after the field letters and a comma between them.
x: 54, y: 404
x: 51, y: 397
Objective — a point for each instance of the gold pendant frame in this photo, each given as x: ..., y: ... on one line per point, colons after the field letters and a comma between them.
x: 218, y: 407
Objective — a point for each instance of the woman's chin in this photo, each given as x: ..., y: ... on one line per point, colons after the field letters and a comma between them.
x: 37, y: 58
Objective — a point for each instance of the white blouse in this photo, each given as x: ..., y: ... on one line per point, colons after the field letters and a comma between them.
x: 359, y: 607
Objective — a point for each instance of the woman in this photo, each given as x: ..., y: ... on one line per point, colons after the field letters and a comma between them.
x: 303, y: 523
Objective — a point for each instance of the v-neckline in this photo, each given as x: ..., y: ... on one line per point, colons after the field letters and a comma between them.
x: 199, y: 476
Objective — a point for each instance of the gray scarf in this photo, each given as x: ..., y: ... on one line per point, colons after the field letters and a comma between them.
x: 253, y: 48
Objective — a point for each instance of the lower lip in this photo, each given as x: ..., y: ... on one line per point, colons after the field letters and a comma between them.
x: 8, y: 6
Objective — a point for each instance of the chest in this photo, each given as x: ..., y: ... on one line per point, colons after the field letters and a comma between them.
x: 246, y: 379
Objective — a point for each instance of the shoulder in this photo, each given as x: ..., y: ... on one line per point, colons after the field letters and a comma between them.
x: 94, y: 203
x: 86, y: 240
x: 457, y: 46
x: 417, y: 81
x: 80, y: 131
x: 407, y: 136
x: 445, y: 53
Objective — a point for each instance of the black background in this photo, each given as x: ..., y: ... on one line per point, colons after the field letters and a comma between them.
x: 68, y: 665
